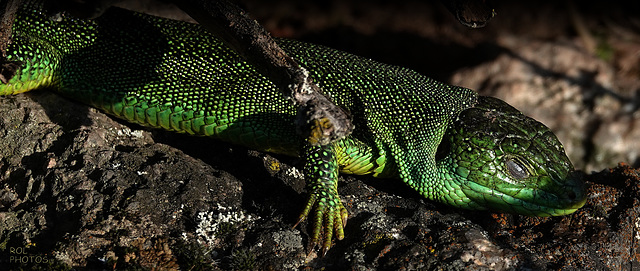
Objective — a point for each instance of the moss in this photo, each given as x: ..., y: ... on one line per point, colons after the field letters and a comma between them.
x: 605, y: 51
x: 225, y: 229
x: 194, y: 256
x: 3, y: 244
x: 242, y: 259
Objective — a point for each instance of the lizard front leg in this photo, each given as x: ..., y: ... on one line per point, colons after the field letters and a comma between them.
x: 321, y: 175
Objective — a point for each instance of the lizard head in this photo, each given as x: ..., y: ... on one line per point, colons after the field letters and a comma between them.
x: 503, y: 160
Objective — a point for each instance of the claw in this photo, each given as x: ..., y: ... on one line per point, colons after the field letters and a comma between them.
x: 325, y: 249
x: 307, y: 209
x: 298, y: 222
x: 344, y: 215
x: 340, y: 226
x: 328, y: 233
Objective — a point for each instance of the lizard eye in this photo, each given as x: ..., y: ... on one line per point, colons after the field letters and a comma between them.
x: 516, y: 169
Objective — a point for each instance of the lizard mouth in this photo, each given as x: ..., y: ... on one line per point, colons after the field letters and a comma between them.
x: 529, y: 201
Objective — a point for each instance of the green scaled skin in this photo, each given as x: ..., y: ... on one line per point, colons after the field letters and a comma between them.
x: 444, y: 141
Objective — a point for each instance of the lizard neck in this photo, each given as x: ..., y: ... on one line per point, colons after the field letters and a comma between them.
x: 448, y: 187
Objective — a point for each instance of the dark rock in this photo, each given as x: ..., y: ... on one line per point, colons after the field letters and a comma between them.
x: 90, y: 192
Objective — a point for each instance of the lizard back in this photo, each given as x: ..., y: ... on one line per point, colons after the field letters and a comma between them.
x: 174, y: 75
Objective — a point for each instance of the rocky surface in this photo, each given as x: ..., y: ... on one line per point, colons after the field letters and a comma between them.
x: 80, y: 189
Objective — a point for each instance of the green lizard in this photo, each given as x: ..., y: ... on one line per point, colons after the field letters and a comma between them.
x: 446, y: 142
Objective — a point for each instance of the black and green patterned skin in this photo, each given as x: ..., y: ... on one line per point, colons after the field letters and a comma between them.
x: 446, y: 142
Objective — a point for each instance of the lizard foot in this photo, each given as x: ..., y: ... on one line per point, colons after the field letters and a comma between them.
x: 330, y: 217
